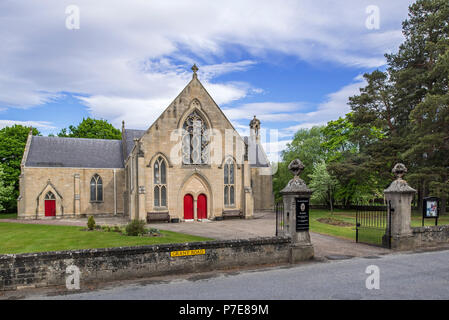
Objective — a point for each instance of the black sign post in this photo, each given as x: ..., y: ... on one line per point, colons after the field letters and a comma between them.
x: 302, y: 214
x: 431, y: 209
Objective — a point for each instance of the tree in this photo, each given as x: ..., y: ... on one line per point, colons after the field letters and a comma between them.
x: 6, y: 191
x: 307, y: 146
x: 323, y: 185
x: 408, y: 103
x: 12, y: 146
x: 91, y: 128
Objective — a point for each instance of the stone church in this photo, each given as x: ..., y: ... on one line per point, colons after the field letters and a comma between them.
x: 189, y: 165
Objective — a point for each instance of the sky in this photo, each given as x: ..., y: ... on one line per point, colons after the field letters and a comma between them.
x: 292, y: 63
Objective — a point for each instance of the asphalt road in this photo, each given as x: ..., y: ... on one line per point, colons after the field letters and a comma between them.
x: 402, y: 276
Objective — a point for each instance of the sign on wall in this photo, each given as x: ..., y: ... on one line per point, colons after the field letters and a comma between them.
x: 302, y: 214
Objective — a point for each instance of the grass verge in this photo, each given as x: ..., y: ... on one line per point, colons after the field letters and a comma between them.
x: 24, y: 238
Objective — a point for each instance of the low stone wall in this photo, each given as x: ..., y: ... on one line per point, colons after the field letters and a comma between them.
x: 430, y: 236
x: 49, y: 268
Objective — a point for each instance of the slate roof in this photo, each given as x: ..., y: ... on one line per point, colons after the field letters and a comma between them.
x: 256, y: 155
x: 130, y: 135
x: 74, y: 153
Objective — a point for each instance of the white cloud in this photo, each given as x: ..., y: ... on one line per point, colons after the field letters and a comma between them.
x: 34, y: 124
x: 120, y: 51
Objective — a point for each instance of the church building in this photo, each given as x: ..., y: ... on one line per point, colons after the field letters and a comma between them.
x: 189, y: 165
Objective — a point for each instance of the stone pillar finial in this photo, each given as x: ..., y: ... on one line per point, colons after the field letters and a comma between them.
x: 399, y: 185
x: 296, y: 167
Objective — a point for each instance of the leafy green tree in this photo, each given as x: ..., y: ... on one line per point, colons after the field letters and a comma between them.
x: 6, y: 191
x: 12, y: 146
x: 93, y: 129
x: 408, y: 102
x: 323, y: 185
x: 307, y: 146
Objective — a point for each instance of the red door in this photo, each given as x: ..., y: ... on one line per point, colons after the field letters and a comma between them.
x: 50, y: 208
x: 188, y: 207
x: 202, y: 207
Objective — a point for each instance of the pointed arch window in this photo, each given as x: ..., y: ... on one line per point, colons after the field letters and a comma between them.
x: 50, y: 196
x: 96, y: 189
x: 160, y: 182
x: 195, y: 140
x: 229, y: 183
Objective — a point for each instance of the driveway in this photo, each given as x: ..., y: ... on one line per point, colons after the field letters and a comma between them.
x: 264, y: 225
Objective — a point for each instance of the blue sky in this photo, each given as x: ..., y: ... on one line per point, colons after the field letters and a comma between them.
x: 292, y: 63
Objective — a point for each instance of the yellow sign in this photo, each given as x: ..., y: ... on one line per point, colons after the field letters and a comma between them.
x: 187, y: 253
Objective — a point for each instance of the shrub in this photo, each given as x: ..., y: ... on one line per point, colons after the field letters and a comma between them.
x: 136, y: 228
x: 91, y: 223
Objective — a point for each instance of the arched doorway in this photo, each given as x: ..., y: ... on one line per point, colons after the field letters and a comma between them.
x: 50, y: 204
x: 188, y: 207
x: 202, y: 207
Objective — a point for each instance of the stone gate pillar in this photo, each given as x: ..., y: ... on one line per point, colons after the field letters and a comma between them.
x: 296, y: 197
x: 400, y: 195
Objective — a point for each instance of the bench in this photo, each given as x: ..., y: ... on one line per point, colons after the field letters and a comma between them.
x: 233, y: 214
x: 158, y: 216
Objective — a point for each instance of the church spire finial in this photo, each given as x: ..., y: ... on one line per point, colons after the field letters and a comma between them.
x: 194, y: 69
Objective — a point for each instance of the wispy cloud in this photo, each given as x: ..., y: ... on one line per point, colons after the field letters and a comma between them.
x: 125, y: 51
x: 34, y: 124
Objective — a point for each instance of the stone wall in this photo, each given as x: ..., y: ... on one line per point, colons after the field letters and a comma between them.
x: 49, y: 268
x: 430, y: 236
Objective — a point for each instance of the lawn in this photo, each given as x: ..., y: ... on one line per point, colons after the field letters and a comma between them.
x: 348, y: 216
x: 23, y: 238
x: 8, y: 216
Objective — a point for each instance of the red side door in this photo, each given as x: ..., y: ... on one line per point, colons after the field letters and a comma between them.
x: 50, y: 208
x: 202, y: 207
x: 188, y: 207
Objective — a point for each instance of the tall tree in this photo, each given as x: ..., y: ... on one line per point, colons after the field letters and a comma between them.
x: 6, y: 191
x: 12, y: 145
x: 307, y: 146
x: 323, y: 185
x: 91, y: 128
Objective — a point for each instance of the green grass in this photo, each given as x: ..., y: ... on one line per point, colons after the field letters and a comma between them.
x: 24, y: 238
x: 349, y: 217
x: 8, y: 216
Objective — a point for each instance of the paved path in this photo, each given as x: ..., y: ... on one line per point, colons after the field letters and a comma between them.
x: 263, y: 225
x: 402, y: 276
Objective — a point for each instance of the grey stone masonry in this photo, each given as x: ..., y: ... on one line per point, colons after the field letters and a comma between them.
x: 110, y: 264
x: 400, y: 195
x: 302, y: 248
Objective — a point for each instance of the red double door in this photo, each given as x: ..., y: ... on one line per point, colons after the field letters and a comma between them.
x: 201, y: 209
x: 50, y: 208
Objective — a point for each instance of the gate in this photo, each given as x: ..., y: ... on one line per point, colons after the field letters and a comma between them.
x: 281, y: 221
x: 373, y: 225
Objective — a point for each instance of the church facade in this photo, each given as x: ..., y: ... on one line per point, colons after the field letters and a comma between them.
x: 189, y: 165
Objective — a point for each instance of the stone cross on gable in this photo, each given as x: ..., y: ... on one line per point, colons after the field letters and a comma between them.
x: 195, y: 70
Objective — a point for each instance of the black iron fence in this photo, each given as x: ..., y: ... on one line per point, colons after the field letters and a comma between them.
x: 373, y: 225
x: 281, y: 220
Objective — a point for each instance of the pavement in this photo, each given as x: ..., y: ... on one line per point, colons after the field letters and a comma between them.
x: 397, y: 276
x: 262, y: 225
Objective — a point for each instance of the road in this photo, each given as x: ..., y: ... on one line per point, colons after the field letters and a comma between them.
x: 402, y: 276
